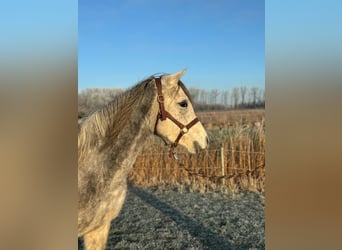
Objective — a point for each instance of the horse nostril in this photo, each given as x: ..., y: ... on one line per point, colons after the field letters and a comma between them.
x: 207, y: 139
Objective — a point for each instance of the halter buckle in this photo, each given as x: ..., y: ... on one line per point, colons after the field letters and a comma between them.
x: 160, y: 98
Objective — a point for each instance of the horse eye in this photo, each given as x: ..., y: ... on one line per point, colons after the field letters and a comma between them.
x: 183, y: 104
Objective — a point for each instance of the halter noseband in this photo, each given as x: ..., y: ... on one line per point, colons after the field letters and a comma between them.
x: 163, y: 114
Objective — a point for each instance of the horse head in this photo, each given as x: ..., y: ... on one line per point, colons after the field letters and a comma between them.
x: 177, y: 121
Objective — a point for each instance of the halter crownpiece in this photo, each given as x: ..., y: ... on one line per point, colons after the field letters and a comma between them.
x: 163, y: 114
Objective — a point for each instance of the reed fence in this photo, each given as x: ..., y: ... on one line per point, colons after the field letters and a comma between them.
x: 234, y: 161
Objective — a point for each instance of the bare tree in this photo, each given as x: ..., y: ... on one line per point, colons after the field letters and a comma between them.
x: 224, y: 98
x: 243, y: 91
x: 213, y: 96
x: 235, y: 97
x: 204, y: 96
x: 254, y: 95
x: 195, y: 94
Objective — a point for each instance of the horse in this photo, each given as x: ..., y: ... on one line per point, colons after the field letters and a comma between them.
x: 110, y: 140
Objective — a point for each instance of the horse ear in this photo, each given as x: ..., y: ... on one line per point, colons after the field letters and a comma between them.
x: 172, y: 80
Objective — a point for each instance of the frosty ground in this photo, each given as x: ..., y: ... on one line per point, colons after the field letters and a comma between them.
x: 168, y: 219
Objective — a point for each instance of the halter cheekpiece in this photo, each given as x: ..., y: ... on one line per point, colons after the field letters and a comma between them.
x: 163, y: 115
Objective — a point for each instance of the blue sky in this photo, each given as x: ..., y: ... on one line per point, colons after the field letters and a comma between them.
x: 220, y: 42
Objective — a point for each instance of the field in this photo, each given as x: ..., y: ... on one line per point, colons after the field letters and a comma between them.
x: 234, y: 161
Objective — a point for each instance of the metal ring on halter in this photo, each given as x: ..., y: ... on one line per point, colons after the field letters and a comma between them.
x: 185, y: 130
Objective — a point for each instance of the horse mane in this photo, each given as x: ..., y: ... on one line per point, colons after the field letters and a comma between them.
x: 106, y: 123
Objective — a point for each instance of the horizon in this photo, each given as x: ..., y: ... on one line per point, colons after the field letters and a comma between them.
x: 188, y: 87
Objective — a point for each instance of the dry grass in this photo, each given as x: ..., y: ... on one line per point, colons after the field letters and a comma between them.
x: 226, y: 119
x: 240, y: 134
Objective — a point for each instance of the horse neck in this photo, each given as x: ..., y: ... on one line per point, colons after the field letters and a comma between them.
x: 122, y: 126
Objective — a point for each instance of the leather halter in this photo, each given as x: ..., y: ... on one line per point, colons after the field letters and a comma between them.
x: 163, y: 115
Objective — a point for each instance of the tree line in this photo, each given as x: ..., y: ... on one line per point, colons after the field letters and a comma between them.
x: 237, y: 98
